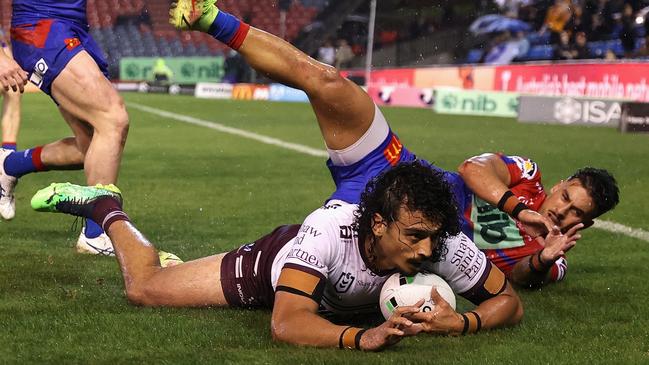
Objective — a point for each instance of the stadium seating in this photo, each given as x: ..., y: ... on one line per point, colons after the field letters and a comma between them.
x: 139, y: 28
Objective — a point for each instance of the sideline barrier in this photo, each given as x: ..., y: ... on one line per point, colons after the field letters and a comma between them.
x: 475, y: 102
x: 591, y: 80
x: 614, y: 81
x: 569, y: 110
x: 213, y: 90
x: 635, y: 118
x: 401, y: 96
x: 186, y: 70
x: 279, y: 92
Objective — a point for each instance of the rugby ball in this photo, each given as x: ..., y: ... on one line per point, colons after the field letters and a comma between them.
x: 401, y: 290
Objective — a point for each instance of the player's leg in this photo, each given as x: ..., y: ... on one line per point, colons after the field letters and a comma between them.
x: 344, y: 111
x: 68, y: 153
x: 104, y: 111
x: 10, y: 127
x: 10, y: 119
x: 64, y: 154
x: 92, y: 239
x: 193, y: 284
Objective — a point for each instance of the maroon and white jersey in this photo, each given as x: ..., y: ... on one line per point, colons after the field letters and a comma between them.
x: 326, y: 247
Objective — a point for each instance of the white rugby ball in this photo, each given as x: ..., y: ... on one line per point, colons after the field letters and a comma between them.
x: 400, y: 290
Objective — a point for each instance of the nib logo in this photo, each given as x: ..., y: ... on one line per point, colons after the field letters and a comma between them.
x: 513, y: 105
x: 449, y: 101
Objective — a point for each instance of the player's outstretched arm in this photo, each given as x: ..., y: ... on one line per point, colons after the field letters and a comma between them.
x: 489, y: 179
x: 535, y: 270
x: 295, y: 320
x: 504, y: 309
x: 11, y: 75
x: 487, y: 176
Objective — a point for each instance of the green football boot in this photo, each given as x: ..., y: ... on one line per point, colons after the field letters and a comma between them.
x: 193, y: 14
x: 73, y: 199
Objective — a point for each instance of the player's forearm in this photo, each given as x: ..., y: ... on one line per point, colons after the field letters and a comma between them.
x: 306, y: 329
x: 505, y: 309
x: 485, y: 177
x: 529, y: 273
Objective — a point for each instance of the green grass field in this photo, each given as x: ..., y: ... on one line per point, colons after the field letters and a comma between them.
x: 195, y: 192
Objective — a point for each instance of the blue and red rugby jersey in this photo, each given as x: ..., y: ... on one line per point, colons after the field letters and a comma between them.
x: 30, y: 11
x: 493, y: 231
x: 47, y: 34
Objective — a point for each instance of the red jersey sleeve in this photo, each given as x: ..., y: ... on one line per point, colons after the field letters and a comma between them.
x: 521, y: 169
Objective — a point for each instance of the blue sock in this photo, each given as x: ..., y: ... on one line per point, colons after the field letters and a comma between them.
x: 9, y: 146
x: 93, y: 230
x: 228, y: 29
x: 20, y: 163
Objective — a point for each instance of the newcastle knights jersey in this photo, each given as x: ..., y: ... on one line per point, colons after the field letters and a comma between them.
x: 31, y: 11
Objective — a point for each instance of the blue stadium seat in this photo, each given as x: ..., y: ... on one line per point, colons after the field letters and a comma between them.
x: 541, y: 52
x: 537, y: 39
x: 616, y: 46
x: 474, y: 55
x: 597, y: 49
x: 640, y: 31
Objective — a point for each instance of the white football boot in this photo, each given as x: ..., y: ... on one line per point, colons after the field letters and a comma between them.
x: 7, y: 185
x: 100, y: 245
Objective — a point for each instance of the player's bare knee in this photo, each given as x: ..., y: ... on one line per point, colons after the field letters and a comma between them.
x: 116, y: 122
x: 121, y: 118
x: 332, y: 81
x: 142, y: 295
x: 136, y: 295
x: 328, y: 82
x: 518, y: 316
x: 277, y: 332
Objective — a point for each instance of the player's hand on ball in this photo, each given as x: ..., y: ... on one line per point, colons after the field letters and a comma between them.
x: 557, y: 244
x: 442, y: 320
x: 392, y: 330
x: 534, y: 223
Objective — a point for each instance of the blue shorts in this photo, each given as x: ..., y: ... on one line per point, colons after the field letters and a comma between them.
x: 44, y: 48
x: 351, y: 179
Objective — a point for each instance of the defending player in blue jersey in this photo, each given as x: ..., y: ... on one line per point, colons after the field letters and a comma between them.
x: 51, y: 42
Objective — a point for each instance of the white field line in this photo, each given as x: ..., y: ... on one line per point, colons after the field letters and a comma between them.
x: 621, y: 228
x: 237, y: 132
x: 600, y: 224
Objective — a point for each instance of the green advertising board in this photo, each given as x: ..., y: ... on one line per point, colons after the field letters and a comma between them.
x: 186, y: 70
x: 476, y: 102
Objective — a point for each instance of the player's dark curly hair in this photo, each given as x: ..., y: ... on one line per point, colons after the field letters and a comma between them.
x: 601, y: 187
x: 419, y: 188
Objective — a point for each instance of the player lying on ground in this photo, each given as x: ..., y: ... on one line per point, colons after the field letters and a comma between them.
x: 50, y: 40
x: 513, y: 185
x: 361, y: 144
x: 335, y: 262
x: 10, y: 107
